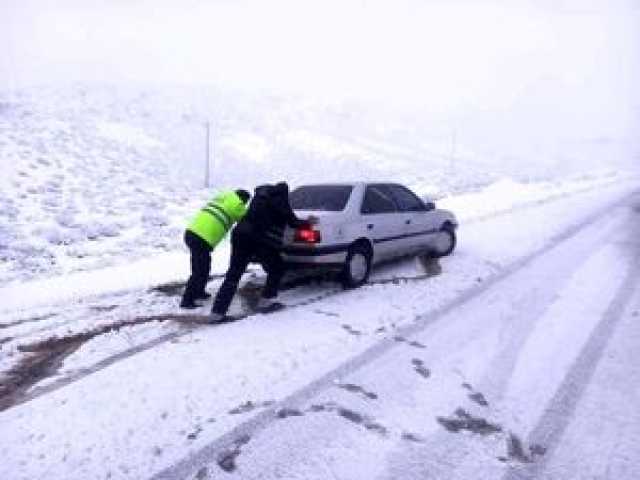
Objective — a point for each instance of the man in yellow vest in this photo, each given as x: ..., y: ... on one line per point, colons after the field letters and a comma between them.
x: 206, y: 230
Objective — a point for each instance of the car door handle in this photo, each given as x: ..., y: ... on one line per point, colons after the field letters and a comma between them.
x: 370, y: 226
x: 407, y: 222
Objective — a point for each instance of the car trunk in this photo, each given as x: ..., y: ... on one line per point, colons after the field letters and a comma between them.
x: 327, y: 224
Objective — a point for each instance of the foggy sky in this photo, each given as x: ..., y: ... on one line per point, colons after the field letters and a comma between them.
x: 580, y: 56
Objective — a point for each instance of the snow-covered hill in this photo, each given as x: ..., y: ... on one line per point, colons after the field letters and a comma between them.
x: 101, y: 175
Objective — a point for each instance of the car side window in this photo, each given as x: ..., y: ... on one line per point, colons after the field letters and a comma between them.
x: 376, y: 200
x: 406, y: 199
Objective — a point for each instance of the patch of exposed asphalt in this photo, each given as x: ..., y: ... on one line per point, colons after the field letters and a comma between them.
x: 33, y: 367
x: 44, y: 358
x: 418, y: 366
x: 53, y: 342
x: 463, y: 420
x: 350, y: 387
x: 227, y: 458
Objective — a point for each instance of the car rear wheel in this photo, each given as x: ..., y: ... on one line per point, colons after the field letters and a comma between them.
x: 357, y: 266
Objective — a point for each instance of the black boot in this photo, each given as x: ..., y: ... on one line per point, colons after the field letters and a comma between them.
x: 189, y: 304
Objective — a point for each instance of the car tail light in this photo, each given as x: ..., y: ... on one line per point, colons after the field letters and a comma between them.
x: 307, y: 235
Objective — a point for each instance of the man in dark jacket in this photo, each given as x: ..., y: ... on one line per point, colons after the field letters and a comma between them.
x: 258, y: 237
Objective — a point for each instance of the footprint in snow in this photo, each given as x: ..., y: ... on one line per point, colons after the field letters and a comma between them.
x: 475, y: 396
x: 193, y: 435
x: 227, y: 459
x: 462, y: 420
x: 289, y: 412
x: 326, y: 313
x: 517, y: 452
x: 202, y: 474
x: 411, y: 437
x: 249, y: 406
x: 418, y: 366
x: 412, y: 343
x: 350, y: 387
x: 351, y: 330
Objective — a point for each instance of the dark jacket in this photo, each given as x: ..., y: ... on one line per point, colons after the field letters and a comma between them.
x: 268, y: 215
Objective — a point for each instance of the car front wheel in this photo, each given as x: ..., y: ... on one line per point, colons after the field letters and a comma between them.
x: 446, y: 241
x: 357, y: 267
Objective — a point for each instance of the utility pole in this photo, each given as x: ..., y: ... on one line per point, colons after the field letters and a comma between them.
x: 452, y: 158
x: 207, y: 168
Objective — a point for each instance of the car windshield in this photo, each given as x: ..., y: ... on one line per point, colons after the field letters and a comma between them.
x: 329, y: 198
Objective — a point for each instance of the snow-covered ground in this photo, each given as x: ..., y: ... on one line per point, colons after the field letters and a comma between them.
x: 513, y: 358
x: 491, y: 363
x: 488, y: 345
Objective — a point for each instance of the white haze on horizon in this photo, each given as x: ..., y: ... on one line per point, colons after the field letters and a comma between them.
x: 526, y: 71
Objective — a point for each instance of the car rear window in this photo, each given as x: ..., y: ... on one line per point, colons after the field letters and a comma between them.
x: 328, y: 198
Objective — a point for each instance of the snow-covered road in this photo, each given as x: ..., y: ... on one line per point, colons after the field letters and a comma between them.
x: 514, y: 362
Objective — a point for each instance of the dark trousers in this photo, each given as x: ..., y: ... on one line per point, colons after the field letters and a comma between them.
x: 200, y: 266
x: 245, y: 248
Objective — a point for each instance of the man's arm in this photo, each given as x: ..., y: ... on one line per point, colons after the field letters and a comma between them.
x: 292, y: 220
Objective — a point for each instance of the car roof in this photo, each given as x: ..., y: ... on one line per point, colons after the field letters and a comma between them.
x: 330, y: 184
x: 353, y: 184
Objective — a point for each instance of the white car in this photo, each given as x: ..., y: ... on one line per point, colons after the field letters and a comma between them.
x: 360, y: 224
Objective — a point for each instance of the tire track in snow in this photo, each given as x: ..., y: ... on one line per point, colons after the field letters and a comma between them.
x: 13, y: 392
x: 190, y: 465
x: 559, y: 413
x: 458, y: 458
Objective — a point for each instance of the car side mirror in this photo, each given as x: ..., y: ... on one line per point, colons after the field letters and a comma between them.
x: 429, y: 206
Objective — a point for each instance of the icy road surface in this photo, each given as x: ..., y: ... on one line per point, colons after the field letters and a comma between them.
x: 515, y: 361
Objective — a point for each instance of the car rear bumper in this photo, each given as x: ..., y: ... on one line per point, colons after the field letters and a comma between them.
x: 315, y: 255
